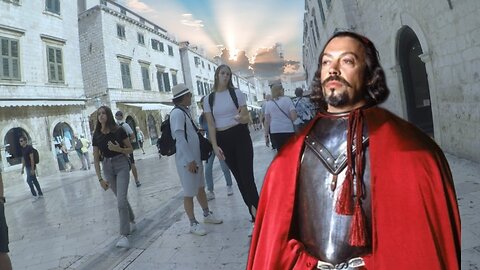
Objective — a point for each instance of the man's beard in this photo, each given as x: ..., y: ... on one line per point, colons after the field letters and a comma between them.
x: 336, y: 100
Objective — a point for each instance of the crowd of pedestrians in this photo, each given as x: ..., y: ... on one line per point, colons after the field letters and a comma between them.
x: 297, y: 223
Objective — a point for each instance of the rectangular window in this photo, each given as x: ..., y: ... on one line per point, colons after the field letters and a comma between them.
x: 174, y: 79
x: 160, y: 81
x: 313, y: 34
x: 209, y: 68
x: 52, y: 6
x: 10, y: 59
x: 205, y: 86
x: 322, y: 13
x: 146, y: 78
x: 170, y: 50
x: 203, y: 64
x: 154, y: 44
x: 55, y: 65
x: 160, y: 46
x: 121, y: 31
x: 141, y: 39
x: 197, y: 60
x: 126, y: 79
x: 199, y: 88
x: 166, y: 82
x: 316, y: 27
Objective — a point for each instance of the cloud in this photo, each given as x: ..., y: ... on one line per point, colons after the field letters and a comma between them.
x: 189, y: 21
x: 237, y: 25
x: 139, y: 6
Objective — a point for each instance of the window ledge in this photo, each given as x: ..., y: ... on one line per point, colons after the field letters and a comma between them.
x: 12, y: 83
x: 53, y: 14
x: 57, y: 84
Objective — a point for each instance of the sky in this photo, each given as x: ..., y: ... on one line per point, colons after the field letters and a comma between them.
x: 234, y: 24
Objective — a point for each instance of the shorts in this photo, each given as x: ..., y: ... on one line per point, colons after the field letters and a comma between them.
x: 131, y: 158
x: 3, y: 231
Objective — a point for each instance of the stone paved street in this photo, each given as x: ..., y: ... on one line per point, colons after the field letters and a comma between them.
x: 75, y: 226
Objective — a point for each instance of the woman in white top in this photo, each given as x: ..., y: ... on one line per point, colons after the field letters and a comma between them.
x: 279, y: 116
x: 227, y: 117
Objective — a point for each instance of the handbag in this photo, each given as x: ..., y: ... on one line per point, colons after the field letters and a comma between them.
x: 206, y: 147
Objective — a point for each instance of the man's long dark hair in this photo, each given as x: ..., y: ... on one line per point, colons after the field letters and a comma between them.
x: 112, y: 125
x: 376, y: 89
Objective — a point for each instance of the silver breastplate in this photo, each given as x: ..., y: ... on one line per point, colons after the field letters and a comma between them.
x: 325, y: 233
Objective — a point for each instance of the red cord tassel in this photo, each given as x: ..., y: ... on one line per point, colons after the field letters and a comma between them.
x: 358, y: 237
x: 344, y: 205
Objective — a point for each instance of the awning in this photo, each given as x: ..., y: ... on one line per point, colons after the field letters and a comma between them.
x: 26, y: 103
x: 254, y: 107
x: 150, y: 106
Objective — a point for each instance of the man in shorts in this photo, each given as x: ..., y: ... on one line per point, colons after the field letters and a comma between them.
x: 128, y: 129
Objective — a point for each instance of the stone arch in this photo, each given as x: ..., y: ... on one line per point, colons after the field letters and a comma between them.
x: 131, y: 121
x: 13, y: 150
x: 408, y: 23
x: 63, y: 132
x: 152, y: 128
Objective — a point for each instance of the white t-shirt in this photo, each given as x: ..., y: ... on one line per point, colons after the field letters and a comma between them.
x: 279, y: 123
x: 224, y: 109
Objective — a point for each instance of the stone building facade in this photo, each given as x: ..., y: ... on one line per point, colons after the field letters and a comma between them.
x: 128, y: 63
x: 199, y: 74
x: 41, y: 87
x: 430, y: 51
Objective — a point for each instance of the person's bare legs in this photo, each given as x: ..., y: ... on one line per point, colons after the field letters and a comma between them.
x: 5, y: 263
x: 202, y: 198
x: 188, y: 205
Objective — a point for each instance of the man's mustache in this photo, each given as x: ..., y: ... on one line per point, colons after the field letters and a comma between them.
x: 335, y: 78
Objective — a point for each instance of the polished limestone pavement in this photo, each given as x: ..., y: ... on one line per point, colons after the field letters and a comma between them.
x: 75, y: 225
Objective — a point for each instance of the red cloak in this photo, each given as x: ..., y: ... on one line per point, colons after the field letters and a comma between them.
x: 415, y: 218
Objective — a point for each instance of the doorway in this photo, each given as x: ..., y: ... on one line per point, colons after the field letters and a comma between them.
x: 415, y: 81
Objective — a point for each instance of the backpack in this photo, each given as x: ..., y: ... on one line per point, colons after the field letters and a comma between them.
x: 78, y: 144
x: 36, y: 156
x: 166, y: 142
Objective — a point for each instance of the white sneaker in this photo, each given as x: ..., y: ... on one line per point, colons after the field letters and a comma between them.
x: 123, y: 242
x: 229, y: 190
x: 133, y: 227
x: 212, y: 219
x: 210, y: 195
x: 197, y: 229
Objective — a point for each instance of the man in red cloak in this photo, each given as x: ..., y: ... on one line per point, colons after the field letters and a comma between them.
x: 359, y: 188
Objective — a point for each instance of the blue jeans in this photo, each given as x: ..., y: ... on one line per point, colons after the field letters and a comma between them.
x: 209, y: 173
x: 32, y: 180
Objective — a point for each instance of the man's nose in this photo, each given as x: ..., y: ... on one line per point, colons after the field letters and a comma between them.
x: 334, y: 68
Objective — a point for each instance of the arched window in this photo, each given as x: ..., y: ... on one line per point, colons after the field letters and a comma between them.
x: 152, y: 128
x: 63, y: 133
x: 415, y: 81
x: 13, y: 150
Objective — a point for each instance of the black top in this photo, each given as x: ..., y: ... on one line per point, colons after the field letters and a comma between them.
x: 101, y: 140
x: 26, y: 151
